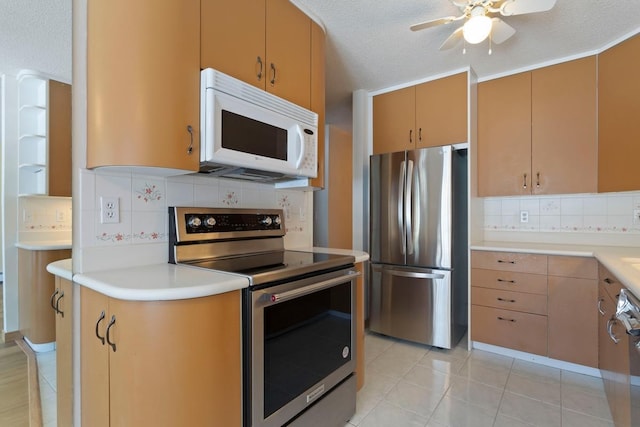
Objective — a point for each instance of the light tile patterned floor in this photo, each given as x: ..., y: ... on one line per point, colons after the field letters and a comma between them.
x: 410, y: 385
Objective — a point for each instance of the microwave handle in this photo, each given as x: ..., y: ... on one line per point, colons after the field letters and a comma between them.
x: 303, y: 147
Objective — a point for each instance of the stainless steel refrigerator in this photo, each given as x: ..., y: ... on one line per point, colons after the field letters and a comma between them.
x: 418, y: 245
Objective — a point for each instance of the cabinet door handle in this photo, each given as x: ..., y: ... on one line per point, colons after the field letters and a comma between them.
x: 410, y: 135
x: 610, y: 324
x: 273, y: 75
x: 608, y: 281
x: 111, y: 323
x: 505, y: 300
x: 420, y: 134
x: 102, y: 316
x: 538, y: 180
x: 524, y: 182
x: 259, y: 74
x: 190, y: 130
x: 600, y: 310
x: 506, y: 281
x: 53, y: 296
x: 502, y: 261
x: 57, y: 307
x: 506, y: 319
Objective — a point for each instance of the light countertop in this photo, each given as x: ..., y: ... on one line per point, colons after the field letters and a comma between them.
x: 166, y: 281
x: 44, y: 245
x: 623, y: 262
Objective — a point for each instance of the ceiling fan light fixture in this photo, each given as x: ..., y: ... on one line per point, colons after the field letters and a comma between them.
x: 477, y: 29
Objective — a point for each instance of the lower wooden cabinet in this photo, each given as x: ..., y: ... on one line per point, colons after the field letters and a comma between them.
x: 64, y: 350
x: 540, y: 304
x: 160, y: 363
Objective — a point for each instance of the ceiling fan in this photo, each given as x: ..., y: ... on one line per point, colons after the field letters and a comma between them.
x: 479, y: 24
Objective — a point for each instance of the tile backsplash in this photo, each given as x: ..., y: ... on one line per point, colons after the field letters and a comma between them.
x: 144, y: 201
x: 580, y: 213
x: 44, y: 213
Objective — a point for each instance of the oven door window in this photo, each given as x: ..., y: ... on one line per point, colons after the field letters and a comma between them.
x: 305, y: 339
x: 240, y: 133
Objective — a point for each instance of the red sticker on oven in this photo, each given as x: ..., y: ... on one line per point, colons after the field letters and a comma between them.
x: 345, y: 352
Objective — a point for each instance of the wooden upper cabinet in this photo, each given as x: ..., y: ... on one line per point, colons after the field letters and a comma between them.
x: 143, y: 84
x: 564, y: 148
x: 318, y: 47
x: 504, y: 136
x: 266, y: 43
x: 394, y: 121
x: 232, y: 38
x: 441, y: 111
x: 618, y: 113
x: 59, y: 139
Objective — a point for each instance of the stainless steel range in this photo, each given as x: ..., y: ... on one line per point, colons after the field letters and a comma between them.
x: 298, y: 314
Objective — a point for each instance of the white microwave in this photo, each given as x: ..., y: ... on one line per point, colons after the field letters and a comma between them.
x: 248, y: 133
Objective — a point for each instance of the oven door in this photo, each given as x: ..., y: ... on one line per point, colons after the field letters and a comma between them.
x: 302, y: 344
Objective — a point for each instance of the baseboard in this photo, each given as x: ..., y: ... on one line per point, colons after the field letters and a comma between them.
x: 35, y: 407
x: 542, y: 360
x: 12, y: 336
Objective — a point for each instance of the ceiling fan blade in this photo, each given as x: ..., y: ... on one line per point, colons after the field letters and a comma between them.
x: 452, y: 40
x: 519, y: 7
x: 432, y: 23
x: 500, y: 30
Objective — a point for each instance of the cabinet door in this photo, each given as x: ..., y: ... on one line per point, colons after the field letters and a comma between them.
x: 394, y: 121
x: 176, y: 362
x: 143, y: 84
x: 504, y: 136
x: 571, y: 314
x: 563, y: 114
x: 441, y: 111
x: 59, y: 162
x: 288, y: 46
x: 318, y: 47
x: 64, y: 354
x: 618, y: 112
x: 94, y: 361
x: 232, y: 39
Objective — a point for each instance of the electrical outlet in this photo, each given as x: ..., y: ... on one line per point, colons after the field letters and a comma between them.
x: 60, y: 217
x: 27, y: 216
x: 109, y: 210
x: 524, y: 216
x: 636, y: 216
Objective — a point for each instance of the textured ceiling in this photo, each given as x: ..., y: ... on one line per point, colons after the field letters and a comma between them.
x: 36, y: 34
x: 370, y: 46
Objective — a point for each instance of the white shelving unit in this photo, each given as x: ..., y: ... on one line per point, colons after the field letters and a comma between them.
x: 33, y: 96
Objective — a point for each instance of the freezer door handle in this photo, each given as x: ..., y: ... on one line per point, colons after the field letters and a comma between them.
x: 408, y: 203
x: 414, y: 274
x: 401, y: 198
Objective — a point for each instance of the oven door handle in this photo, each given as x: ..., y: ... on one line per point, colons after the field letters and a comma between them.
x: 295, y: 293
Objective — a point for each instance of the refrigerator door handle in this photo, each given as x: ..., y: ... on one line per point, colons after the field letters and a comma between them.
x: 415, y: 275
x: 401, y: 198
x: 408, y: 204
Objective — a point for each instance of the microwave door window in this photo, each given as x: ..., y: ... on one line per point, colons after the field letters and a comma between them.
x: 240, y: 133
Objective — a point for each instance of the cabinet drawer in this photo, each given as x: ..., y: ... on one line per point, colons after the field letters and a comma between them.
x: 518, y: 301
x: 609, y: 282
x: 509, y: 261
x: 572, y: 266
x: 509, y: 281
x: 511, y: 329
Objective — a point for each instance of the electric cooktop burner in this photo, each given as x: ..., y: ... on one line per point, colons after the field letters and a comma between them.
x: 242, y: 241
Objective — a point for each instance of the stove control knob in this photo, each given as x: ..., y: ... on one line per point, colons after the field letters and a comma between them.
x: 194, y: 222
x: 277, y: 220
x: 210, y: 221
x: 266, y: 220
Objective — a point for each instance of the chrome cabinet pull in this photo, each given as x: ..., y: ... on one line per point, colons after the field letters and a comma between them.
x: 600, y: 310
x: 57, y: 307
x: 111, y: 323
x: 506, y: 281
x: 273, y: 74
x: 506, y: 319
x: 501, y: 261
x: 190, y: 130
x: 524, y: 182
x: 610, y: 324
x: 538, y: 180
x: 259, y: 75
x: 505, y: 300
x: 102, y: 316
x: 53, y: 296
